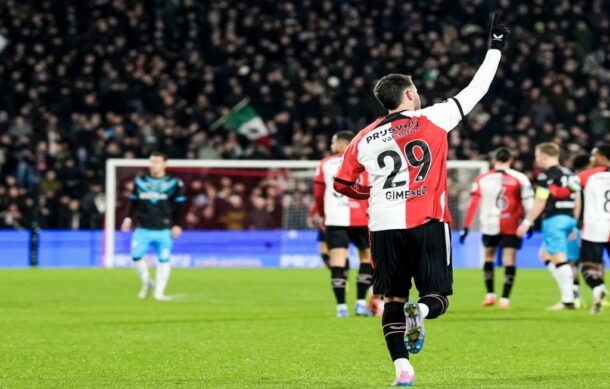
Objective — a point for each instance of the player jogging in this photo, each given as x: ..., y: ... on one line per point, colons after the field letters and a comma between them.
x: 405, y: 155
x: 555, y: 201
x: 505, y: 195
x: 595, y: 184
x: 346, y: 221
x: 156, y: 209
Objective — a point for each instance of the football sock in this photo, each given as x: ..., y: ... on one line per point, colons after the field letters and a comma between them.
x: 163, y: 271
x: 338, y: 282
x: 552, y: 268
x: 423, y: 308
x: 509, y: 279
x: 326, y: 260
x: 592, y: 275
x: 394, y: 327
x: 365, y: 277
x: 436, y: 304
x: 564, y: 280
x: 488, y: 273
x: 346, y: 267
x: 142, y: 269
x: 403, y: 364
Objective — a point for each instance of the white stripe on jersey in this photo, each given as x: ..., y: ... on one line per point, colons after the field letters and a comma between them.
x: 597, y: 208
x: 336, y: 205
x: 388, y: 215
x: 448, y: 243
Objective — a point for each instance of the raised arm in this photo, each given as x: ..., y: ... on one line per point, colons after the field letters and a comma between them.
x: 450, y: 112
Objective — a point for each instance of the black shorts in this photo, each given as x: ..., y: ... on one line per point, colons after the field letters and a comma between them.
x: 340, y: 237
x: 504, y: 241
x: 593, y: 251
x: 422, y: 253
x: 321, y: 236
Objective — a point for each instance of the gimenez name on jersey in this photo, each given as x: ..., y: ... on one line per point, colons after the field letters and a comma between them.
x: 396, y: 195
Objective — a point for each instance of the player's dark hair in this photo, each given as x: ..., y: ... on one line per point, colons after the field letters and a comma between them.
x: 344, y: 135
x: 604, y: 149
x: 390, y: 89
x: 580, y: 162
x: 503, y: 154
x: 548, y: 148
x: 159, y: 154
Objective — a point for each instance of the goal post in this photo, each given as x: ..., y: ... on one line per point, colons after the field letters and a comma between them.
x: 112, y: 165
x: 294, y: 178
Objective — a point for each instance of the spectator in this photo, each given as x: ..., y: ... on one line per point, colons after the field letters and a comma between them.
x: 87, y: 81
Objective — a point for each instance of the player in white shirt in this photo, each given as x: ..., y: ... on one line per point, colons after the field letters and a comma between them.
x: 595, y: 184
x: 345, y: 221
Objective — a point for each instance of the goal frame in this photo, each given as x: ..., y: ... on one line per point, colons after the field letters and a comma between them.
x: 114, y: 163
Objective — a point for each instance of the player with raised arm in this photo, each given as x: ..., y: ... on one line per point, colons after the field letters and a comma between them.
x: 505, y: 195
x: 595, y: 184
x: 156, y: 209
x: 345, y: 221
x: 554, y: 201
x: 405, y: 154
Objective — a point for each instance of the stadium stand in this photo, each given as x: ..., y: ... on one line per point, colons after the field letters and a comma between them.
x: 86, y: 81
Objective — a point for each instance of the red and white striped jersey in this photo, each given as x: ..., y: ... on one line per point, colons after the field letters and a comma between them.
x: 339, y: 210
x: 596, y: 208
x: 405, y: 154
x: 505, y: 196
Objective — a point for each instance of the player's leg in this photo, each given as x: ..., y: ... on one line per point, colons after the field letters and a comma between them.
x: 359, y: 236
x: 490, y: 247
x: 593, y: 272
x: 163, y: 244
x: 337, y: 240
x: 573, y: 259
x: 323, y: 248
x: 433, y: 276
x: 139, y: 244
x: 509, y: 255
x: 510, y: 244
x: 556, y: 231
x: 393, y: 281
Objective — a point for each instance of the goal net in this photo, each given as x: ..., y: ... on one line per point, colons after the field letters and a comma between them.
x: 243, y: 213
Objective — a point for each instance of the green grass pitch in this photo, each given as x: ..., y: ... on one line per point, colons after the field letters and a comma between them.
x: 276, y: 329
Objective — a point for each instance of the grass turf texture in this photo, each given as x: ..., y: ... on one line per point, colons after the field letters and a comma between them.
x: 276, y: 328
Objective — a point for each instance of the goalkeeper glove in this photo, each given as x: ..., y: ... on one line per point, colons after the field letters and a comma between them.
x: 463, y: 235
x: 498, y: 34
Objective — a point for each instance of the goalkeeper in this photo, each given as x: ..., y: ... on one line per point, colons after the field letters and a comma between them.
x: 156, y: 209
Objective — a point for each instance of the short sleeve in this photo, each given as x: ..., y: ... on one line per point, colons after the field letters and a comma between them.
x: 350, y: 168
x: 319, y: 177
x: 475, y: 190
x: 445, y: 115
x: 179, y: 196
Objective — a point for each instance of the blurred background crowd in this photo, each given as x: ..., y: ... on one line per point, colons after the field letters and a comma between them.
x: 83, y: 81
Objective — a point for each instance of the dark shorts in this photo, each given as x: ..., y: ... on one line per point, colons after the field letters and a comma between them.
x: 340, y: 237
x: 321, y: 236
x: 503, y: 241
x: 593, y: 251
x: 422, y: 253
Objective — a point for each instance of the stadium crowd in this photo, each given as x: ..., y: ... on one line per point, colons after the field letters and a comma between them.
x: 85, y: 81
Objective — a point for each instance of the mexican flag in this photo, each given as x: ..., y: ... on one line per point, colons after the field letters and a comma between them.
x: 244, y: 120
